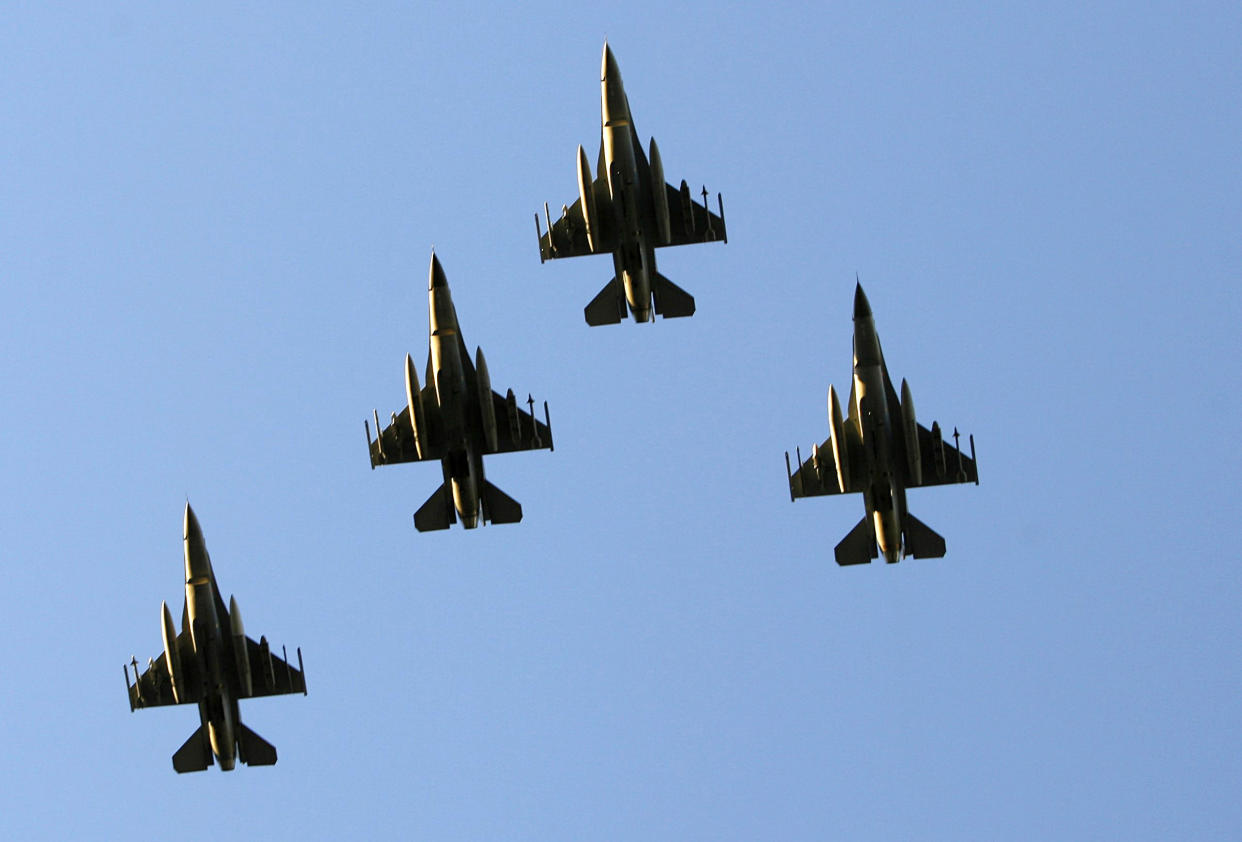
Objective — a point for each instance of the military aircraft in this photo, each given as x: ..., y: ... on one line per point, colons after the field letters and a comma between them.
x: 880, y: 450
x: 628, y: 210
x: 457, y: 418
x: 212, y: 664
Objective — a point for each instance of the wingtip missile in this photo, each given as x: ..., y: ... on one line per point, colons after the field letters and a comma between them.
x: 129, y: 688
x: 539, y: 237
x: 366, y: 425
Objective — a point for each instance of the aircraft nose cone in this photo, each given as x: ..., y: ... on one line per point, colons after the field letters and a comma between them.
x: 436, y: 279
x: 608, y: 66
x: 190, y: 527
x: 862, y: 308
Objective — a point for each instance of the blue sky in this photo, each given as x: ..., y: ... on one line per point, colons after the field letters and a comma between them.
x: 214, y: 234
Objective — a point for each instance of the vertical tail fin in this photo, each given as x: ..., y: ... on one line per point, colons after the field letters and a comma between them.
x: 195, y: 754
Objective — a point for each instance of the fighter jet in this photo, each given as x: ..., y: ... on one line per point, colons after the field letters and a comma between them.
x: 880, y: 450
x: 628, y: 210
x: 212, y: 664
x: 457, y: 418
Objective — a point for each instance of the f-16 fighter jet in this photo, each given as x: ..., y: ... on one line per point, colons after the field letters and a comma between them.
x: 628, y: 210
x: 212, y: 664
x: 457, y: 419
x: 880, y: 451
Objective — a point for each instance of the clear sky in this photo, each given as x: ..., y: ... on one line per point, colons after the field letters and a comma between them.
x: 215, y: 226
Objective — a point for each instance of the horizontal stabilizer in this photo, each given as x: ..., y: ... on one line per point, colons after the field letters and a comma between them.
x: 195, y: 754
x: 921, y: 541
x: 671, y: 301
x: 252, y: 749
x: 437, y: 512
x: 499, y: 507
x: 859, y: 546
x: 607, y: 308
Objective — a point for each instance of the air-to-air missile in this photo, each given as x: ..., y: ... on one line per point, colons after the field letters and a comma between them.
x: 880, y: 450
x: 457, y: 419
x: 212, y: 664
x: 627, y: 209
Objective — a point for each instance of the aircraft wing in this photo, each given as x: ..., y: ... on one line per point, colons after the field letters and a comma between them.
x: 944, y: 463
x: 395, y: 443
x: 517, y: 429
x: 154, y: 687
x: 816, y: 476
x: 568, y: 235
x: 691, y: 221
x: 270, y: 674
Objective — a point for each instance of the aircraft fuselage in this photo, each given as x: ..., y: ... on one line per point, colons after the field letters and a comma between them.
x: 884, y: 493
x: 634, y: 259
x: 218, y: 706
x: 455, y: 391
